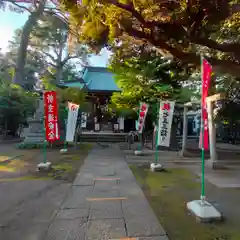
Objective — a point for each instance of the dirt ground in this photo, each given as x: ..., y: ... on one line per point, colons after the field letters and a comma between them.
x: 23, y: 162
x: 168, y: 192
x: 29, y: 200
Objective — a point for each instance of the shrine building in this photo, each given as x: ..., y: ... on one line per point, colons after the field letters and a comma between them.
x: 99, y: 84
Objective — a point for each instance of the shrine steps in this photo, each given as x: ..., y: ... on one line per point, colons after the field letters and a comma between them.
x: 103, y: 136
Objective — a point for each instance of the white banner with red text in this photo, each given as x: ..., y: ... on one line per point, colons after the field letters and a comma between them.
x: 71, y: 121
x: 166, y: 111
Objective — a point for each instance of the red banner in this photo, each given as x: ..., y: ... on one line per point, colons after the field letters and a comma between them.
x: 142, y: 115
x: 206, y: 78
x: 51, y: 116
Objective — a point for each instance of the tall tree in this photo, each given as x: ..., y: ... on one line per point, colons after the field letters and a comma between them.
x: 50, y: 39
x: 35, y: 63
x: 176, y: 28
x: 35, y: 9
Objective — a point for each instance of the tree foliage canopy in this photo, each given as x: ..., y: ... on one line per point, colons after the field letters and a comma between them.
x: 16, y: 105
x: 145, y: 76
x: 179, y: 29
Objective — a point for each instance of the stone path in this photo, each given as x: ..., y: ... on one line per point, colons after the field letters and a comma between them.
x: 105, y: 203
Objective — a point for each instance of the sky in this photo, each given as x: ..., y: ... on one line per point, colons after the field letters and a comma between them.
x: 9, y: 21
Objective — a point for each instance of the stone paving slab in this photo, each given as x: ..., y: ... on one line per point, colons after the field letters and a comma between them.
x: 104, y: 193
x: 107, y: 186
x: 81, y: 181
x: 105, y: 209
x: 140, y: 223
x: 77, y: 197
x: 130, y: 189
x: 105, y: 183
x: 73, y: 214
x: 84, y: 179
x: 107, y: 229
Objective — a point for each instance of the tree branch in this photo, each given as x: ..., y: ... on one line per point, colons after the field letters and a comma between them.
x: 130, y: 8
x: 68, y: 58
x: 223, y: 47
x: 201, y: 41
x: 224, y: 66
x: 49, y: 63
x: 219, y: 65
x: 17, y: 5
x: 49, y: 55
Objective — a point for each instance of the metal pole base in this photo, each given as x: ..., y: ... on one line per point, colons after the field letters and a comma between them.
x: 156, y: 167
x: 138, y: 152
x: 203, y: 211
x: 64, y: 150
x: 44, y: 167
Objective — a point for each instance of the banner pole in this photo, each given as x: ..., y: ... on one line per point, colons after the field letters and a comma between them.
x: 202, y: 151
x: 44, y: 128
x: 140, y: 142
x: 156, y: 137
x: 156, y: 148
x: 139, y: 134
x: 65, y: 144
x: 64, y: 150
x: 203, y: 165
x: 45, y: 151
x: 203, y: 210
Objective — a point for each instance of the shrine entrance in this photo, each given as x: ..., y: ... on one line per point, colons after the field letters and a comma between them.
x: 103, y: 119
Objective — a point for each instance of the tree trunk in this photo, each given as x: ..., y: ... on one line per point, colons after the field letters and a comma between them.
x: 60, y: 63
x: 22, y: 50
x: 59, y: 72
x: 185, y: 131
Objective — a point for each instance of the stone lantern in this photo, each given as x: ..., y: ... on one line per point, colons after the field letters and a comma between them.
x: 35, y: 133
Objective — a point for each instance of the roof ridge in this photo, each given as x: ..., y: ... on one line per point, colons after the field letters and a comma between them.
x: 101, y: 69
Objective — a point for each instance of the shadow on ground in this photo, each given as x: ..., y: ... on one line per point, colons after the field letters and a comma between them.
x: 168, y: 192
x: 29, y: 201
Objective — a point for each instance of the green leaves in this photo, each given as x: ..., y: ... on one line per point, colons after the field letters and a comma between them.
x: 16, y: 105
x: 180, y: 29
x: 144, y: 76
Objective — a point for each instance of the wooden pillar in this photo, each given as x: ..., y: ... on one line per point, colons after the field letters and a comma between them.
x: 212, y: 128
x: 212, y: 132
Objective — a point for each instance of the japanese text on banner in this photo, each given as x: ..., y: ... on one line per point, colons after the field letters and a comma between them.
x: 206, y: 78
x: 51, y: 116
x: 142, y: 116
x: 165, y: 123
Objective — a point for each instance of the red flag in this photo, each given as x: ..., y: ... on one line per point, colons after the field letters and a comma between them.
x: 142, y: 116
x: 51, y: 116
x: 206, y: 78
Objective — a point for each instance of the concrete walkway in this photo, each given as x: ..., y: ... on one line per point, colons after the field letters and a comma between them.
x: 105, y: 203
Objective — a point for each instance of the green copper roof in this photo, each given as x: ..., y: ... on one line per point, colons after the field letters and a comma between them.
x: 95, y: 79
x: 74, y: 84
x: 100, y: 79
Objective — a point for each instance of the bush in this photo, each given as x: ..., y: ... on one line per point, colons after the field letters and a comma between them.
x: 16, y: 105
